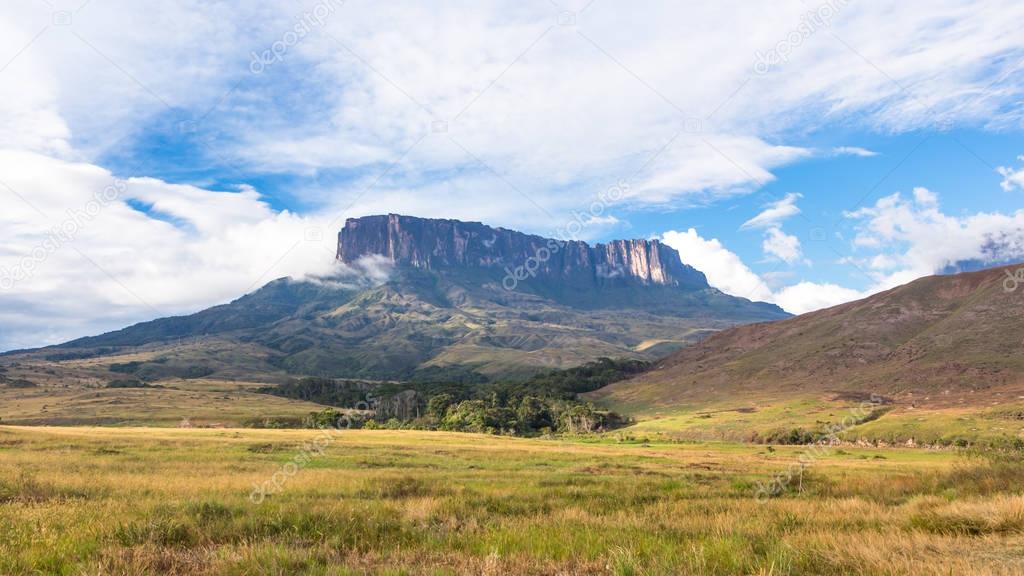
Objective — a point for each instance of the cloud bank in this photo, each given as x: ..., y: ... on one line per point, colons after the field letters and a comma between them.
x: 515, y: 113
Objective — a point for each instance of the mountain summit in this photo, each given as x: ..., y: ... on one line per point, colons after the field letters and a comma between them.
x: 440, y: 245
x: 460, y: 300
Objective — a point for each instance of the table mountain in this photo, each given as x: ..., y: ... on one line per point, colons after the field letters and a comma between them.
x: 446, y: 245
x: 432, y: 299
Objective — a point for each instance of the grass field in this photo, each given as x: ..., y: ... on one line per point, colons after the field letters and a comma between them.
x: 759, y: 416
x: 185, y: 501
x: 201, y: 402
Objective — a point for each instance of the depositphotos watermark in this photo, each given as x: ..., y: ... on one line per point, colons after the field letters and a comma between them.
x: 303, y: 26
x: 60, y: 235
x: 309, y: 452
x: 810, y: 23
x: 1013, y: 280
x: 568, y: 233
x: 783, y: 480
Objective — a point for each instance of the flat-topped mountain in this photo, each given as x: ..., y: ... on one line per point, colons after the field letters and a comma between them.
x: 461, y: 301
x: 440, y: 245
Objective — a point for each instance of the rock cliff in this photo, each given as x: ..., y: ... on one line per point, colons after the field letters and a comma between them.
x: 443, y: 244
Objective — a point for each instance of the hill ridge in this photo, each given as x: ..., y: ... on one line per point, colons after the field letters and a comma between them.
x: 856, y: 345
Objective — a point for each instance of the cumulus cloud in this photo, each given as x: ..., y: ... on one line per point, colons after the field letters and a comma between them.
x: 916, y: 238
x: 898, y: 240
x: 783, y: 246
x: 1013, y: 179
x: 426, y: 115
x: 727, y: 272
x: 810, y: 296
x: 778, y: 244
x: 724, y: 269
x: 925, y: 197
x: 113, y: 250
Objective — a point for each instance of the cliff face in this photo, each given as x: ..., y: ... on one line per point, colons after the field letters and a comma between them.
x: 441, y: 244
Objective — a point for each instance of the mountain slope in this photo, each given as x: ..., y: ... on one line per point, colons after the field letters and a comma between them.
x: 935, y: 339
x: 939, y: 343
x: 432, y: 299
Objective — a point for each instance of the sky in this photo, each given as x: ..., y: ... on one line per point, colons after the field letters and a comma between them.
x: 158, y: 158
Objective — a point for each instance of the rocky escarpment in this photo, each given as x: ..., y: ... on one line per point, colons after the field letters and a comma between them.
x: 443, y: 244
x: 464, y: 302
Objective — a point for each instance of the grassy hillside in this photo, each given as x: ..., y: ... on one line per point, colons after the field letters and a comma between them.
x: 197, y: 502
x: 420, y: 326
x: 944, y: 351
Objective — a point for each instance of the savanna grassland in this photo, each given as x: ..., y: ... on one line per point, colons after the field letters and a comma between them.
x: 182, y: 501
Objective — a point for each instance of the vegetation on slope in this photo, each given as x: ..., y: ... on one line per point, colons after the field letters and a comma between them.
x: 420, y: 325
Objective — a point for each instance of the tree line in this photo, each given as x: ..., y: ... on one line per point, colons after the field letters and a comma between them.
x: 544, y: 404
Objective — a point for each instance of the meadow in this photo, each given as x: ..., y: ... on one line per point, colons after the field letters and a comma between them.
x: 235, y: 501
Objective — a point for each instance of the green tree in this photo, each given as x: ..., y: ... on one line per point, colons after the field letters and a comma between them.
x: 533, y: 414
x: 479, y: 416
x: 438, y: 405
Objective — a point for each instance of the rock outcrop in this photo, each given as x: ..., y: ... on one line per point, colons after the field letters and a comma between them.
x: 444, y: 244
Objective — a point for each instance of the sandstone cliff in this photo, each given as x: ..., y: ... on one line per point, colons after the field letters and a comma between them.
x: 441, y: 244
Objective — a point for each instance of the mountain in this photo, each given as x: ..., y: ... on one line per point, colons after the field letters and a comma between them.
x: 431, y: 299
x: 447, y: 245
x: 942, y: 344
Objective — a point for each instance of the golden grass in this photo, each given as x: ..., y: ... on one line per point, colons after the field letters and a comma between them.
x: 169, y: 501
x: 203, y: 403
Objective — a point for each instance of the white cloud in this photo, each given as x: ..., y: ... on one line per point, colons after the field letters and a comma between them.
x: 775, y: 213
x: 905, y: 239
x: 783, y: 246
x: 539, y: 118
x: 565, y: 107
x: 542, y: 104
x: 810, y: 296
x: 915, y: 238
x: 925, y: 197
x: 727, y: 272
x: 70, y: 236
x: 1012, y: 179
x: 29, y: 108
x: 777, y: 244
x: 853, y: 151
x: 724, y: 269
x: 884, y: 262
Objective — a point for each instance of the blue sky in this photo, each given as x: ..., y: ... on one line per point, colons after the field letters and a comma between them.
x: 804, y: 153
